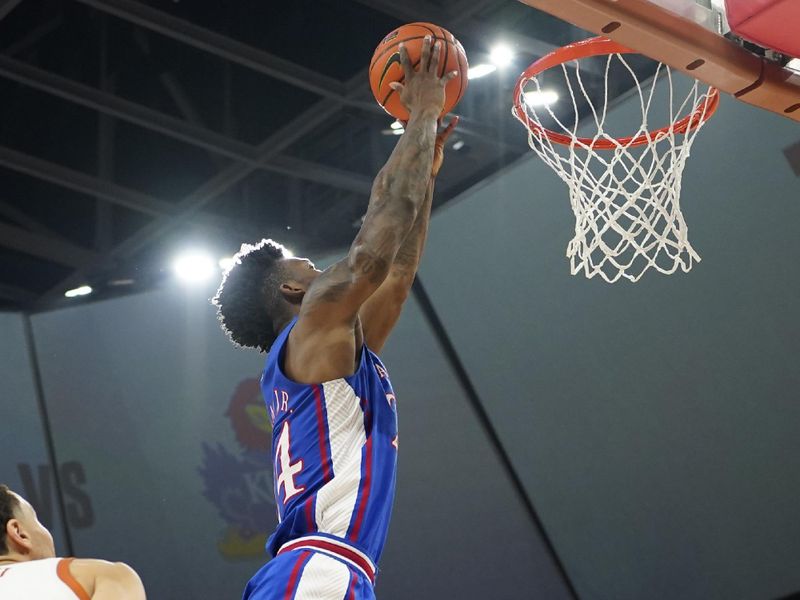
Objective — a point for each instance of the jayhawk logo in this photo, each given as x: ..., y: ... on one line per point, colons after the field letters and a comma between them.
x: 240, y: 482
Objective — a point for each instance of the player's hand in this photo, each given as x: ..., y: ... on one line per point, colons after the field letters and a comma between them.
x: 423, y: 89
x: 438, y: 150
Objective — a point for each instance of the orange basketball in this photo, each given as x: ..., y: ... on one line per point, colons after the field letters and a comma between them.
x: 385, y: 66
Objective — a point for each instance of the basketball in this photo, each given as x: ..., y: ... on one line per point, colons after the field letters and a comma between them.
x: 385, y: 66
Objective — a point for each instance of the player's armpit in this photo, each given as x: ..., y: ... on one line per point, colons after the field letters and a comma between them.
x: 325, y: 342
x: 380, y: 313
x: 105, y: 580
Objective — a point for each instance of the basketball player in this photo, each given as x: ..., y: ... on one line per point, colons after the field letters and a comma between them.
x: 329, y: 397
x: 29, y: 569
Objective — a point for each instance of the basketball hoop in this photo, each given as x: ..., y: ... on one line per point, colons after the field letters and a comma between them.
x: 624, y: 191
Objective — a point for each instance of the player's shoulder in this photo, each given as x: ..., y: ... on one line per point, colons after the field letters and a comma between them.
x: 100, y: 565
x: 95, y: 568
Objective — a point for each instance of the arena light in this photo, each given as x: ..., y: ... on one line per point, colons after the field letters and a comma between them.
x: 396, y: 125
x: 288, y: 253
x: 83, y: 290
x: 501, y: 55
x: 480, y: 70
x: 540, y: 98
x: 193, y: 267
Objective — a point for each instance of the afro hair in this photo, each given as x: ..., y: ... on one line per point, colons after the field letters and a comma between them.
x: 248, y: 300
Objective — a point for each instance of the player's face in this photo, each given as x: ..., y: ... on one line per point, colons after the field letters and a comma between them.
x: 39, y: 539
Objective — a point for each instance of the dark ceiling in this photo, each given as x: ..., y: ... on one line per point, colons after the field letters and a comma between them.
x: 131, y: 129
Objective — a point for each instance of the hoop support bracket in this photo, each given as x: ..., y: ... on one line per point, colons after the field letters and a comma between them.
x: 687, y: 46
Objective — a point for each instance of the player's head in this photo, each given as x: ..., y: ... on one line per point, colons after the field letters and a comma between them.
x: 22, y: 536
x: 260, y: 292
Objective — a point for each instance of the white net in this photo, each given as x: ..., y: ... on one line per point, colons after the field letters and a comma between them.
x: 624, y: 192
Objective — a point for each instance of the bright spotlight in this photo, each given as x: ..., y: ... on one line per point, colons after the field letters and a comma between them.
x: 540, y: 98
x: 287, y: 253
x: 194, y: 267
x: 226, y: 262
x: 83, y: 290
x: 480, y: 70
x: 501, y: 55
x: 396, y: 125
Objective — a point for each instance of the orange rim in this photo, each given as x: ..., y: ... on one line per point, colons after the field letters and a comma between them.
x: 600, y: 46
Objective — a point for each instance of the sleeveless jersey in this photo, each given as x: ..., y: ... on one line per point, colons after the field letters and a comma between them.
x: 46, y: 579
x: 334, y: 451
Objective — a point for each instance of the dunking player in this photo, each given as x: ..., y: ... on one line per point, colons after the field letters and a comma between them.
x: 329, y: 397
x: 29, y: 569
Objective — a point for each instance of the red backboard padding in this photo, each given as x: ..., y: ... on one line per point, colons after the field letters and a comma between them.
x: 770, y: 23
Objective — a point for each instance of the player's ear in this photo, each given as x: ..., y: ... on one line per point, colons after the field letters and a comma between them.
x: 292, y: 291
x: 16, y: 534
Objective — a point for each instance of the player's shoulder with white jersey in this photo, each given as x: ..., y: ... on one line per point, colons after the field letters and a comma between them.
x: 104, y: 579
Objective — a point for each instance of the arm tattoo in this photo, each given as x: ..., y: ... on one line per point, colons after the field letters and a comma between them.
x: 373, y: 267
x: 408, y: 257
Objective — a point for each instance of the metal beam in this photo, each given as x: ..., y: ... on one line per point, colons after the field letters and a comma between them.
x: 343, y: 180
x: 469, y: 8
x: 106, y: 147
x: 24, y: 219
x: 36, y: 34
x: 54, y: 250
x: 122, y: 109
x: 222, y: 46
x: 85, y: 184
x: 115, y: 194
x: 408, y: 11
x: 189, y: 133
x: 194, y: 202
x: 6, y: 6
x: 276, y: 143
x: 464, y: 22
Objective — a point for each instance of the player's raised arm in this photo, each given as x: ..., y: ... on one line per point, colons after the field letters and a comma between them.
x: 329, y: 309
x: 380, y: 312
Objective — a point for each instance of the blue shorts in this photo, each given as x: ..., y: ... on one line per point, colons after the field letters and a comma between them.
x: 306, y: 574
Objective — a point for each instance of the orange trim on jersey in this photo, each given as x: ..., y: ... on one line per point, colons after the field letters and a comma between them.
x: 65, y: 575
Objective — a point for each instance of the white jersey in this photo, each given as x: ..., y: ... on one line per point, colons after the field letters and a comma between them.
x: 46, y: 579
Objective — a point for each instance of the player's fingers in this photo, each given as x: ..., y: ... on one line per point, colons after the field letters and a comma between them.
x: 425, y: 57
x: 449, y: 129
x: 433, y: 65
x: 405, y: 62
x: 397, y: 86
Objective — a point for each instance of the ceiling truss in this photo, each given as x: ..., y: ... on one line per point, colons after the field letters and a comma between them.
x: 235, y: 159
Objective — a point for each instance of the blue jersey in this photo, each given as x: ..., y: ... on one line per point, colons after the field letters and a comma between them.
x: 334, y: 451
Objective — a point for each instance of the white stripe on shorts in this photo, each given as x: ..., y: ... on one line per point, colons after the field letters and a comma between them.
x: 323, y: 578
